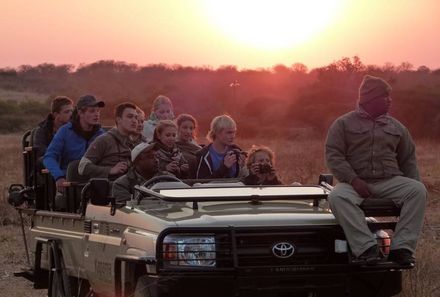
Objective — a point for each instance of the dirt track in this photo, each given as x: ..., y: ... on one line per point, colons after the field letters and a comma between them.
x: 13, y: 259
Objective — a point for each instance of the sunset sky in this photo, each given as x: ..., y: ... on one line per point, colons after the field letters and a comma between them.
x: 246, y: 33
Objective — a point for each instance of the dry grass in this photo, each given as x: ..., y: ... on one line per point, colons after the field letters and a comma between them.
x: 298, y: 159
x: 11, y: 172
x: 22, y: 96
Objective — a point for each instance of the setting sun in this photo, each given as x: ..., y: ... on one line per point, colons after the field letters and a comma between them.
x: 272, y: 24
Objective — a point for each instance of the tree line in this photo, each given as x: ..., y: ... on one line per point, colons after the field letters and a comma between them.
x: 282, y: 101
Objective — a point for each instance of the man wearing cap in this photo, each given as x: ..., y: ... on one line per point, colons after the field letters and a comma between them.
x: 109, y: 154
x: 373, y: 155
x: 145, y: 166
x: 71, y: 140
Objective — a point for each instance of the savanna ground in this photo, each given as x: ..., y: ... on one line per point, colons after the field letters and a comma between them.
x: 298, y: 159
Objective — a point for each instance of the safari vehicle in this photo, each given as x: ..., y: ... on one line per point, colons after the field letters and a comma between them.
x: 196, y: 238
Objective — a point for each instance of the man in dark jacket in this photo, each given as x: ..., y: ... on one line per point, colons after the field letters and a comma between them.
x: 372, y: 155
x: 61, y: 112
x: 221, y: 158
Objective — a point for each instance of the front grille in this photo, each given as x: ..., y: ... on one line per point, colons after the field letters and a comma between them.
x: 255, y: 249
x: 247, y: 248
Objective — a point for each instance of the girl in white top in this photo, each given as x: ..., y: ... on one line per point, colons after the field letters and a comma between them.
x: 162, y: 110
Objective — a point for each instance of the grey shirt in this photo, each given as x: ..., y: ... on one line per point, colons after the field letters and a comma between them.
x: 371, y: 149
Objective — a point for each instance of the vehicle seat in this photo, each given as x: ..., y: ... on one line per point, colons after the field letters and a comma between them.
x: 72, y: 174
x: 375, y: 207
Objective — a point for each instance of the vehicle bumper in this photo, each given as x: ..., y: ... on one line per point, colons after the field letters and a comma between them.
x: 353, y: 283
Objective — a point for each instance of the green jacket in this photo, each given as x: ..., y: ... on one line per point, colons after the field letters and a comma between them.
x: 371, y: 149
x: 105, y: 152
x: 123, y: 186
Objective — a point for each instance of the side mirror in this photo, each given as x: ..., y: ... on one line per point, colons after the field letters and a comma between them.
x: 18, y: 194
x: 99, y: 191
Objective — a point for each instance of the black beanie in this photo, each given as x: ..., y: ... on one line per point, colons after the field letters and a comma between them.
x: 372, y: 87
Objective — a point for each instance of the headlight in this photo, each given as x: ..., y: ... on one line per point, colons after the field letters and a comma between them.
x: 189, y: 250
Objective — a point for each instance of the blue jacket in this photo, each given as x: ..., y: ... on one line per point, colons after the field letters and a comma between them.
x: 65, y: 147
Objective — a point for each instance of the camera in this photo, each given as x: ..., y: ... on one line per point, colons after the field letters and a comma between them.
x: 237, y: 153
x: 265, y: 168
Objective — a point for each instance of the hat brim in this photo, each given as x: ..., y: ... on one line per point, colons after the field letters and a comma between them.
x: 97, y: 104
x: 151, y: 147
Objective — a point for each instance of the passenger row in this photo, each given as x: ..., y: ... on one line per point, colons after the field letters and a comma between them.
x: 81, y: 140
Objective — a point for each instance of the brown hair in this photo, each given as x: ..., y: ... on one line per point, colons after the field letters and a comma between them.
x: 187, y: 117
x: 256, y: 149
x: 119, y: 109
x: 162, y: 125
x: 59, y: 102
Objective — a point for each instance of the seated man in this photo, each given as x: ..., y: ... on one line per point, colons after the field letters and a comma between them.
x: 71, y: 140
x: 372, y: 155
x: 145, y: 166
x: 61, y: 111
x: 109, y: 154
x: 221, y: 158
x: 260, y: 164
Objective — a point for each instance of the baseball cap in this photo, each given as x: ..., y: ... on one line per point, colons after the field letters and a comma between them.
x: 140, y: 148
x: 89, y: 101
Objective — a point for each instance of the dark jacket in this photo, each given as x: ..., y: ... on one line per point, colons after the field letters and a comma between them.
x: 204, y: 166
x: 42, y: 135
x: 189, y: 151
x: 371, y: 149
x: 252, y: 180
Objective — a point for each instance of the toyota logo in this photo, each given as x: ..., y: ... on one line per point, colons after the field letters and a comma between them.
x: 283, y: 250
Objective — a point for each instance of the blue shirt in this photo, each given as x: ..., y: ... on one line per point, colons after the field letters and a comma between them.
x: 217, y: 161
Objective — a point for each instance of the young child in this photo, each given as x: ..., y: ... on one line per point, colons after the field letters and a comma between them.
x: 162, y: 110
x: 260, y: 163
x: 170, y: 157
x: 186, y: 134
x: 221, y: 158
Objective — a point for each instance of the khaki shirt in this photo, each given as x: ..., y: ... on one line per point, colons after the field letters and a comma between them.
x: 373, y: 150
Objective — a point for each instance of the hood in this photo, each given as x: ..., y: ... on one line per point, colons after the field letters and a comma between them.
x: 241, y: 214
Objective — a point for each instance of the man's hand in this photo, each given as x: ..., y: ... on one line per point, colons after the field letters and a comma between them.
x: 361, y: 187
x: 230, y: 159
x: 173, y: 167
x: 184, y: 167
x: 60, y: 184
x: 119, y: 168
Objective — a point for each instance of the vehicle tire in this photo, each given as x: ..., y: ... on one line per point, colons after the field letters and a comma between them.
x: 58, y: 283
x: 144, y: 287
x: 61, y: 283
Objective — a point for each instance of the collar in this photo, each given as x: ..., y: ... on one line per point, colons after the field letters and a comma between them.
x: 382, y: 120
